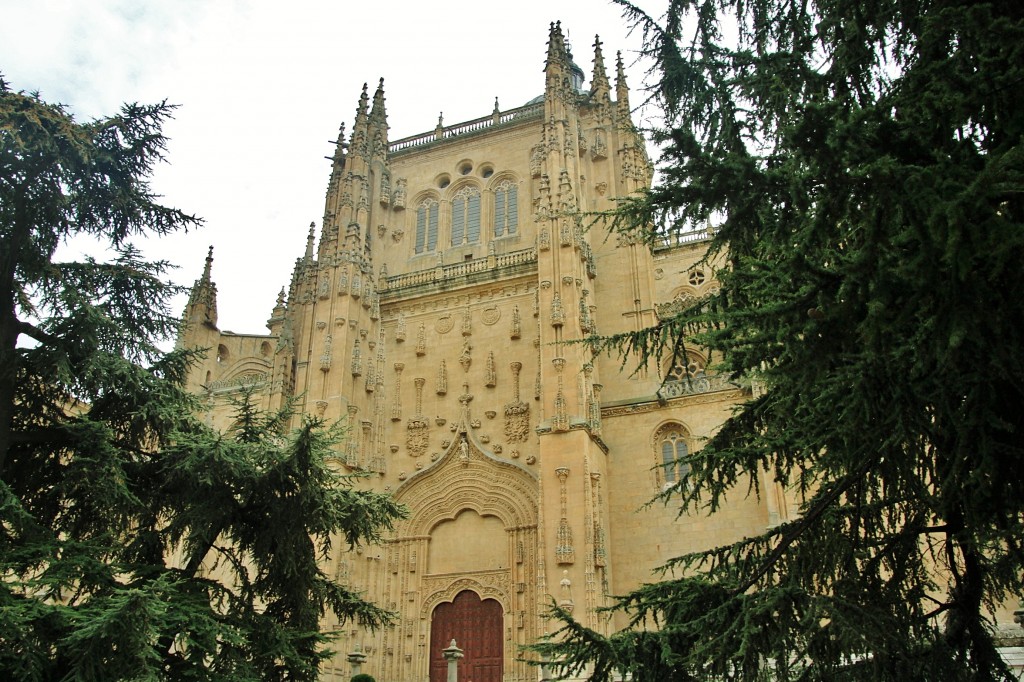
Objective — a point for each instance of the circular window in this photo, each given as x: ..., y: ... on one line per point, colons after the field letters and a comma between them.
x: 466, y: 168
x: 696, y: 277
x: 443, y: 181
x: 487, y: 171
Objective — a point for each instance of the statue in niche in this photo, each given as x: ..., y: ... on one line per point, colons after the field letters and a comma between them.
x: 399, y: 199
x: 600, y: 149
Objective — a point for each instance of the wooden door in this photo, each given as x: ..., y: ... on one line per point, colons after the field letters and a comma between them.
x: 476, y: 626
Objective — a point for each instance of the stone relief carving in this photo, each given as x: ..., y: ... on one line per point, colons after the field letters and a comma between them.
x: 444, y: 324
x: 396, y: 401
x: 517, y: 413
x: 565, y: 552
x: 517, y: 324
x: 557, y: 312
x: 325, y: 357
x: 442, y: 379
x: 324, y: 287
x: 399, y: 198
x: 357, y: 359
x: 421, y: 341
x: 352, y: 444
x: 343, y: 281
x: 560, y: 420
x: 385, y: 188
x: 544, y: 239
x: 418, y: 435
x: 492, y: 376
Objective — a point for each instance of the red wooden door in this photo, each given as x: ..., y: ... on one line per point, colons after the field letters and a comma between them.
x: 476, y: 626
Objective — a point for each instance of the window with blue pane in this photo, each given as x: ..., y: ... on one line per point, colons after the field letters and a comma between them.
x: 426, y: 225
x: 506, y: 209
x: 466, y: 216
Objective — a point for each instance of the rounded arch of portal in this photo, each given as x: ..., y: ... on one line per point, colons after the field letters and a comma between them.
x: 447, y: 594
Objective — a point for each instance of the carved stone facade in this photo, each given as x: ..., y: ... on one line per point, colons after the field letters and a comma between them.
x: 428, y: 344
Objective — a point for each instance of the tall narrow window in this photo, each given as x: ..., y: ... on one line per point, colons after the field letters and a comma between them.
x: 466, y: 216
x: 506, y: 209
x: 670, y: 444
x: 426, y: 226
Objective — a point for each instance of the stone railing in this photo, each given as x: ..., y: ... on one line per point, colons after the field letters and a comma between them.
x: 675, y: 239
x: 700, y: 383
x: 441, y: 272
x: 443, y: 132
x: 237, y: 383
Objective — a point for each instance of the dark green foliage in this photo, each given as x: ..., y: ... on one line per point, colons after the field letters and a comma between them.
x: 866, y: 163
x: 362, y: 677
x: 135, y: 542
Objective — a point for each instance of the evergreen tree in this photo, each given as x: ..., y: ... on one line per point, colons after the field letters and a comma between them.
x: 865, y: 162
x: 136, y: 542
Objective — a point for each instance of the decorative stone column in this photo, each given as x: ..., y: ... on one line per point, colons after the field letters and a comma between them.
x: 452, y: 654
x: 356, y: 659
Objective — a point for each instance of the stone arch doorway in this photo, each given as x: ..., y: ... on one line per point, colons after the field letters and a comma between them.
x: 476, y: 625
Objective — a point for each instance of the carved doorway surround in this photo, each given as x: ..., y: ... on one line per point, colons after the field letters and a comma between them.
x: 476, y: 625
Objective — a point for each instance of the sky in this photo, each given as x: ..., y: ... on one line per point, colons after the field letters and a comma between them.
x: 262, y: 87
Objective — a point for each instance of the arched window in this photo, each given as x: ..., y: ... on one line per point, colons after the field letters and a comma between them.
x: 466, y: 216
x: 426, y: 225
x: 671, y: 448
x: 506, y: 209
x: 690, y: 367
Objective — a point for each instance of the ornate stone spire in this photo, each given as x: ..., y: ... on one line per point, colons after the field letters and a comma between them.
x: 278, y: 313
x: 556, y: 66
x: 208, y: 267
x: 600, y: 88
x: 340, y: 145
x: 378, y: 114
x: 379, y: 122
x: 621, y: 89
x: 310, y: 239
x: 361, y: 109
x: 202, y: 300
x: 360, y: 134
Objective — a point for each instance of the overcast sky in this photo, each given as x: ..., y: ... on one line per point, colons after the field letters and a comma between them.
x: 262, y: 87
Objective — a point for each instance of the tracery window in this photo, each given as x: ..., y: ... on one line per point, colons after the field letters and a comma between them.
x: 466, y: 216
x: 426, y: 225
x: 671, y: 447
x: 506, y: 209
x: 689, y: 367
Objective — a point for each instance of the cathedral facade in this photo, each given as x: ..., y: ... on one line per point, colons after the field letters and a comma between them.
x: 436, y: 313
